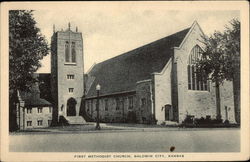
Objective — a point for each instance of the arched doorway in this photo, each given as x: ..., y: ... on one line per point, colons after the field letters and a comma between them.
x: 71, y: 107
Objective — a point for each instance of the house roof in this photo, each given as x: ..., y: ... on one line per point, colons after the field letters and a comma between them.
x: 120, y: 74
x: 36, y: 102
x: 32, y: 98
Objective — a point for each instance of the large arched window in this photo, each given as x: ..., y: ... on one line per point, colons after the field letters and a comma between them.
x: 67, y: 57
x: 196, y: 79
x: 73, y: 52
x: 71, y: 107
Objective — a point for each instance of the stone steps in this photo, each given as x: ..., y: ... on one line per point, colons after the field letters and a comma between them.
x: 75, y: 120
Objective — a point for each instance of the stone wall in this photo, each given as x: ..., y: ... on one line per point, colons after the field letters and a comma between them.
x: 34, y: 116
x: 113, y: 112
x: 162, y: 91
x: 144, y: 104
x: 193, y: 102
x: 63, y: 69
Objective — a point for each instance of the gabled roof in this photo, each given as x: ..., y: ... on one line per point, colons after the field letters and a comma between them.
x: 120, y: 74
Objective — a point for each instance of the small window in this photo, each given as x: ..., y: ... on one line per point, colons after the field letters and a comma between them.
x: 106, y: 105
x: 117, y: 103
x: 39, y: 109
x: 70, y: 76
x: 29, y: 110
x: 91, y: 106
x: 29, y: 123
x: 131, y: 102
x: 39, y: 122
x: 73, y: 52
x: 50, y: 109
x: 49, y: 122
x: 67, y: 57
x: 143, y: 102
x: 71, y: 90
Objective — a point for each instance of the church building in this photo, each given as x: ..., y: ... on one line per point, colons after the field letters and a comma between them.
x: 155, y: 83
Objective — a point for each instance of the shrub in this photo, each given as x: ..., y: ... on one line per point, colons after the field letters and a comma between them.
x: 131, y: 117
x: 207, y: 121
x: 189, y: 119
x: 63, y: 121
x: 226, y: 122
x: 199, y: 121
x: 163, y: 123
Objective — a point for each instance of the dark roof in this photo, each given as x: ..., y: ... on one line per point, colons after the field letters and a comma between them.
x: 36, y: 102
x: 32, y: 98
x: 121, y: 73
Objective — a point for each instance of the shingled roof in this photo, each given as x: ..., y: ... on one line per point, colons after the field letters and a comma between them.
x: 120, y: 74
x: 32, y: 98
x: 36, y: 102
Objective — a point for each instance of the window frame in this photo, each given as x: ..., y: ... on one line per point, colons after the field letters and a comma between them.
x: 73, y: 52
x: 70, y: 76
x: 39, y: 109
x: 143, y: 102
x: 39, y: 122
x: 117, y: 101
x: 50, y: 109
x: 29, y: 123
x: 131, y: 102
x: 71, y: 90
x: 29, y: 110
x: 106, y: 104
x: 67, y: 52
x: 49, y: 122
x: 196, y: 82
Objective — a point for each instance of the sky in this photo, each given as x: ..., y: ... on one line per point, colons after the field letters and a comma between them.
x: 110, y: 30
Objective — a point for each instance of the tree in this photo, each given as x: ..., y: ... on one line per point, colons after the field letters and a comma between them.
x: 26, y: 47
x: 221, y: 61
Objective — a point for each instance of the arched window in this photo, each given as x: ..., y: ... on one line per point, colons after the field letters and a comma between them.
x: 71, y: 107
x: 67, y: 52
x: 196, y: 79
x: 73, y: 52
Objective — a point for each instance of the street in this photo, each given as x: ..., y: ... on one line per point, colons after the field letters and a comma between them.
x: 186, y: 140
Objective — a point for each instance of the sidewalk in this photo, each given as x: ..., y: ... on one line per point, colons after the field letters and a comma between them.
x: 110, y: 127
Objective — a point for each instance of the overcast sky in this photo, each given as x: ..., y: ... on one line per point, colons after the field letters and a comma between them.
x: 109, y: 31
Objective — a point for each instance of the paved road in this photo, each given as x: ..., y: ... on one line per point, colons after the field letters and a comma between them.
x: 203, y: 140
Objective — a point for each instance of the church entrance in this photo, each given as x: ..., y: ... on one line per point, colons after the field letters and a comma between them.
x: 71, y: 107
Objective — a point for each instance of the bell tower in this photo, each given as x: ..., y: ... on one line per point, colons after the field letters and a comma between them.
x: 67, y: 74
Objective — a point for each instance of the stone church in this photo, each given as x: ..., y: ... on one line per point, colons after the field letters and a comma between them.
x: 154, y: 83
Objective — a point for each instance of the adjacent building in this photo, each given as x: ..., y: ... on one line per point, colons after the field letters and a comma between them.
x: 157, y: 83
x: 33, y: 111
